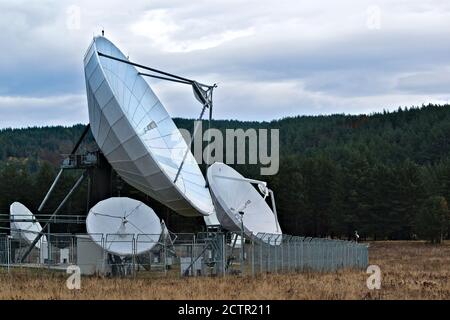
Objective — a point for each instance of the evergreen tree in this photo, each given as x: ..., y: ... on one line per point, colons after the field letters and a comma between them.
x: 433, y: 220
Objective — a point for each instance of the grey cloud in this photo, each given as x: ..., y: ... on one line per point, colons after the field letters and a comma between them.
x: 299, y: 58
x: 55, y: 110
x: 426, y: 82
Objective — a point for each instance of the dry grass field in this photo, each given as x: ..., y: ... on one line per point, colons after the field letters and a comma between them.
x: 410, y: 270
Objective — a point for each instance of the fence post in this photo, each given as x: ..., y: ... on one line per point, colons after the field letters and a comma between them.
x: 275, y: 255
x: 353, y: 255
x: 269, y: 255
x: 289, y: 254
x: 302, y: 261
x: 261, y: 257
x: 295, y: 253
x: 323, y: 244
x: 105, y: 253
x: 134, y: 250
x: 8, y: 251
x: 72, y: 248
x: 313, y: 251
x: 337, y: 257
x: 329, y: 254
x: 305, y: 253
x: 305, y: 245
x: 358, y: 258
x: 269, y: 249
x: 281, y: 246
x: 49, y: 246
x: 347, y: 255
x: 193, y: 247
x: 321, y: 255
x: 332, y: 261
x: 320, y: 258
x: 224, y: 254
x: 318, y: 254
x: 353, y: 247
x: 253, y: 258
x: 344, y: 254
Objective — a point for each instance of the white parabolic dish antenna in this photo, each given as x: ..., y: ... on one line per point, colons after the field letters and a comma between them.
x: 24, y: 224
x: 114, y: 223
x: 137, y: 135
x: 233, y: 193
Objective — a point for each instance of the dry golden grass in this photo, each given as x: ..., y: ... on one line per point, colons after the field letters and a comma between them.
x: 410, y: 270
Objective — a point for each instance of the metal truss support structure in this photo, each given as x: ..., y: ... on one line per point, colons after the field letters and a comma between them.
x: 214, y: 248
x: 50, y: 191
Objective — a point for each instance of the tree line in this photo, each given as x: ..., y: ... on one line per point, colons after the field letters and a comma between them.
x: 385, y: 175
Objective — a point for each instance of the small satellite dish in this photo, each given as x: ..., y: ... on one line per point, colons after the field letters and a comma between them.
x: 137, y: 135
x: 233, y: 194
x: 123, y: 226
x: 24, y: 224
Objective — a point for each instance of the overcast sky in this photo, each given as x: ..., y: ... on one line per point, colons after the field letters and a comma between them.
x: 271, y: 59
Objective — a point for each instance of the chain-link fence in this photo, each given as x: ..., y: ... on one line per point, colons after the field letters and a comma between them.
x: 285, y: 253
x: 4, y: 250
x: 184, y: 254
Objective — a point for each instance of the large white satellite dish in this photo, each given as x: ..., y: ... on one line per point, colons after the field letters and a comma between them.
x: 232, y: 193
x: 138, y: 136
x: 123, y: 226
x: 24, y: 224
